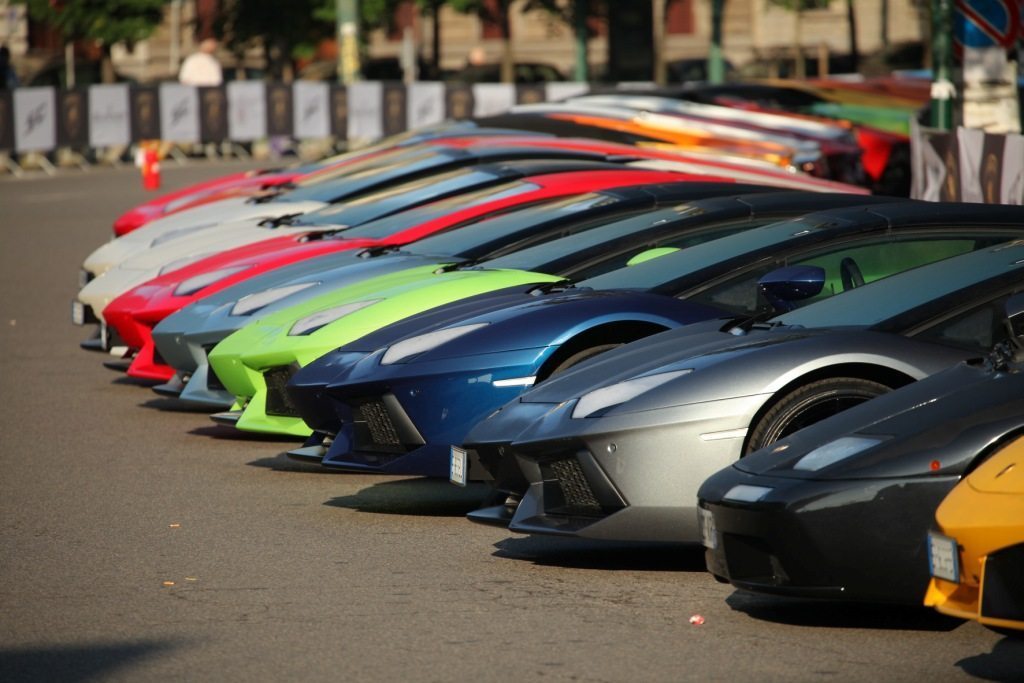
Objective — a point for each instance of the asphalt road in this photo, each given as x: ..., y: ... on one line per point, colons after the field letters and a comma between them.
x: 142, y: 543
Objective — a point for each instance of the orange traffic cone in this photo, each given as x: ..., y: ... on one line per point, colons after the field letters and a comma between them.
x: 148, y: 160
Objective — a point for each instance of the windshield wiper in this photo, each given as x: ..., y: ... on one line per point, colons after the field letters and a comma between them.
x: 554, y: 287
x: 286, y: 219
x: 741, y: 325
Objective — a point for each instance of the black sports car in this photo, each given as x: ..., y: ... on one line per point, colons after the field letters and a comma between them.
x: 842, y: 509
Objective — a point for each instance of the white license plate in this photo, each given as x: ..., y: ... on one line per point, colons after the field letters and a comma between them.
x: 708, y: 534
x: 458, y: 466
x: 943, y: 558
x: 77, y: 312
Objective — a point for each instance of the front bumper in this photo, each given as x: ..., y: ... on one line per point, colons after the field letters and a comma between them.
x: 995, y: 597
x: 643, y: 469
x: 837, y: 539
x: 430, y: 406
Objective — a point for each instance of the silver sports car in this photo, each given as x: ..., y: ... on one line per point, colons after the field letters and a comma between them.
x: 618, y: 446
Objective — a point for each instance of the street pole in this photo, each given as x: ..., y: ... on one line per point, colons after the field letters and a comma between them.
x: 716, y: 67
x: 658, y: 20
x: 580, y: 9
x: 347, y: 20
x: 943, y: 89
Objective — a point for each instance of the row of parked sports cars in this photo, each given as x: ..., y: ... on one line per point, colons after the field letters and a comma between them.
x: 627, y: 343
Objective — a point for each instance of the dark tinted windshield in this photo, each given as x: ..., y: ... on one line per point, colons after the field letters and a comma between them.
x: 484, y: 190
x: 665, y: 269
x: 515, y: 225
x: 611, y: 245
x: 350, y: 179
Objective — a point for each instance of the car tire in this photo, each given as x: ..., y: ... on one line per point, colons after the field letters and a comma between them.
x: 582, y: 355
x: 810, y: 403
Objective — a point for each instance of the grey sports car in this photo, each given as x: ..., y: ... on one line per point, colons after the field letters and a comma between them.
x: 618, y: 446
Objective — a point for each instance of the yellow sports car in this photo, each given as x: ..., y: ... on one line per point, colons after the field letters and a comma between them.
x: 976, y: 557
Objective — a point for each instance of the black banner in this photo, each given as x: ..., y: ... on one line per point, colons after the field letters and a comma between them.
x: 213, y: 114
x: 73, y: 118
x: 991, y: 172
x: 532, y: 93
x: 279, y: 109
x: 394, y: 108
x: 145, y: 103
x: 6, y: 121
x: 458, y: 101
x: 339, y: 112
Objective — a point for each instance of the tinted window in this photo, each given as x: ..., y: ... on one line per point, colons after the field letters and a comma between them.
x: 515, y: 223
x: 846, y: 266
x: 664, y: 270
x: 406, y: 219
x: 874, y: 304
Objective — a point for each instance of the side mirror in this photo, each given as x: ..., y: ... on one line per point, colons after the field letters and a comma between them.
x: 783, y: 287
x: 650, y: 254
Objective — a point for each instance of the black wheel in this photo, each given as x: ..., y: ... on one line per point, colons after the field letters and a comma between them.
x: 582, y: 355
x: 850, y: 273
x: 811, y: 403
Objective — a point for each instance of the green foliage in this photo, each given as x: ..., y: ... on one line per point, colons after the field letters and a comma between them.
x: 290, y: 24
x: 106, y: 21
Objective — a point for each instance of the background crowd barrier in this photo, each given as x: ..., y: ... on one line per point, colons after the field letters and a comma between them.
x: 44, y: 119
x: 967, y: 165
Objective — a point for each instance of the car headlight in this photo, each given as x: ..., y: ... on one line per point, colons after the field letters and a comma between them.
x: 257, y: 300
x: 745, y: 493
x: 605, y: 397
x: 425, y: 342
x: 197, y: 282
x: 835, y: 451
x: 312, y: 323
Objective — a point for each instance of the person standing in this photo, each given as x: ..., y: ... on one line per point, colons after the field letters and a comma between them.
x: 202, y: 68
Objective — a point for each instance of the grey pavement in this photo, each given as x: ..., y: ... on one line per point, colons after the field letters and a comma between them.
x: 141, y: 543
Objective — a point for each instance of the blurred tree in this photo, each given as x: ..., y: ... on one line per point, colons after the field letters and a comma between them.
x: 285, y: 29
x: 379, y: 14
x: 798, y: 7
x: 574, y: 14
x: 104, y: 21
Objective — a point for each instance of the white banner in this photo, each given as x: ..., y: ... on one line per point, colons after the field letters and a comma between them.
x: 970, y: 142
x: 555, y: 92
x: 109, y: 116
x: 179, y: 112
x: 35, y: 119
x: 365, y: 111
x: 1012, y: 190
x: 493, y: 98
x: 247, y: 110
x: 309, y: 109
x: 425, y: 105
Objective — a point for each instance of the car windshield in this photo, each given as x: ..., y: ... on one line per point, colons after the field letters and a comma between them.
x: 888, y: 299
x: 484, y: 190
x: 332, y: 185
x: 665, y: 269
x: 516, y: 224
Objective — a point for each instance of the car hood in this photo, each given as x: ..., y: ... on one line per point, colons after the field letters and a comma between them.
x: 936, y: 426
x: 550, y: 315
x: 150, y: 263
x: 721, y: 366
x: 323, y: 275
x: 188, y: 225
